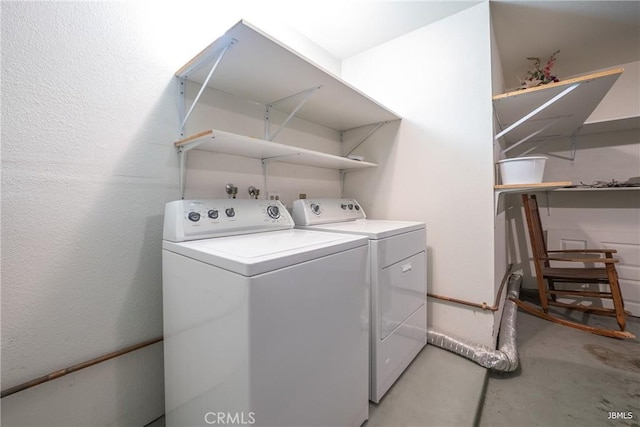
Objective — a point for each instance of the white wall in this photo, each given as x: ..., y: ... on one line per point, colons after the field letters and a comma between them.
x: 500, y: 227
x: 89, y: 114
x: 440, y: 167
x: 85, y: 173
x: 623, y: 99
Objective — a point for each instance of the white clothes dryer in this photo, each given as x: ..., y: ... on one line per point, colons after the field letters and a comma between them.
x: 264, y: 324
x: 398, y: 282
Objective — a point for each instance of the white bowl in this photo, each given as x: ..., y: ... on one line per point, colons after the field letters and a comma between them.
x: 522, y: 170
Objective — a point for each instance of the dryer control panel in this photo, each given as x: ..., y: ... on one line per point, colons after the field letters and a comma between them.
x: 203, y: 219
x: 323, y: 211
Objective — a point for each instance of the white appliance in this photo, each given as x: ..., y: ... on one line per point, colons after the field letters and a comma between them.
x: 264, y: 324
x: 398, y: 282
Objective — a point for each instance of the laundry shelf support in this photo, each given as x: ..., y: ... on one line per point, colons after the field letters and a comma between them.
x: 550, y: 111
x: 363, y: 138
x: 267, y: 123
x: 528, y: 137
x: 183, y: 76
x: 499, y: 190
x: 252, y: 66
x: 537, y: 110
x: 261, y: 69
x: 218, y: 141
x: 188, y: 144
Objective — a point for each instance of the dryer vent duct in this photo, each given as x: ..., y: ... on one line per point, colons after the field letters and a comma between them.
x: 505, y: 358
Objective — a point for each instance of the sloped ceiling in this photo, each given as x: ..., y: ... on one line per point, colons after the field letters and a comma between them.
x: 590, y: 35
x: 345, y: 28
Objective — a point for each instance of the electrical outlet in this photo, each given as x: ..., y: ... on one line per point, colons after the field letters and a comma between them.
x: 273, y: 195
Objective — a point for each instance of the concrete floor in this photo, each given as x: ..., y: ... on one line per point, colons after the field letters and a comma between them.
x: 566, y: 378
x: 438, y: 389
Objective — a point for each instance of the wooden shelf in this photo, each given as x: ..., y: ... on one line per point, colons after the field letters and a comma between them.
x: 259, y: 68
x: 229, y: 143
x: 523, y: 188
x: 527, y: 186
x: 571, y: 110
x: 501, y: 189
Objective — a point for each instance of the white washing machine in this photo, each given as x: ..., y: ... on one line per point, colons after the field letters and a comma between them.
x: 398, y: 282
x: 264, y: 324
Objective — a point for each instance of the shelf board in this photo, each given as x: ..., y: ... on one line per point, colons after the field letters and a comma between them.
x: 536, y: 185
x: 574, y: 108
x: 579, y: 189
x: 238, y: 145
x: 260, y: 68
x: 501, y: 189
x: 522, y: 188
x: 628, y: 123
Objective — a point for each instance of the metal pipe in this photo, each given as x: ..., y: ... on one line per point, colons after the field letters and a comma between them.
x: 483, y: 305
x: 505, y: 358
x: 63, y: 372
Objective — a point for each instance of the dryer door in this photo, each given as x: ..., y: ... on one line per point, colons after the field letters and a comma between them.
x: 401, y: 291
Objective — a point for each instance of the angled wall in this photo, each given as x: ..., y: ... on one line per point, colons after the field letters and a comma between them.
x: 439, y: 169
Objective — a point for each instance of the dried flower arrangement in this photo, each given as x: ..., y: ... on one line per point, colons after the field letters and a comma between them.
x: 537, y: 76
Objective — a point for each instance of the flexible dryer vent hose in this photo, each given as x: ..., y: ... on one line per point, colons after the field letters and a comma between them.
x: 505, y: 358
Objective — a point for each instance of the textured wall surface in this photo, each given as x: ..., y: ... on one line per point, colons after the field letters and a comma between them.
x: 86, y: 170
x: 89, y: 114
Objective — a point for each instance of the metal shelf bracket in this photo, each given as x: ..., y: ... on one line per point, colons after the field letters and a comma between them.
x: 528, y: 137
x: 362, y: 139
x: 267, y: 160
x: 182, y: 87
x: 306, y: 94
x: 182, y: 158
x: 537, y: 110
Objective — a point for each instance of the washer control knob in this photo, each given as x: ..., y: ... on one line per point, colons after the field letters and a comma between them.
x: 230, y: 212
x: 357, y: 207
x: 315, y: 208
x: 350, y: 206
x: 194, y: 216
x: 343, y: 206
x: 273, y: 211
x: 213, y: 213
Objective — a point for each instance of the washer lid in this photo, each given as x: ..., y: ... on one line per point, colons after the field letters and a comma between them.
x: 253, y: 254
x: 374, y: 229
